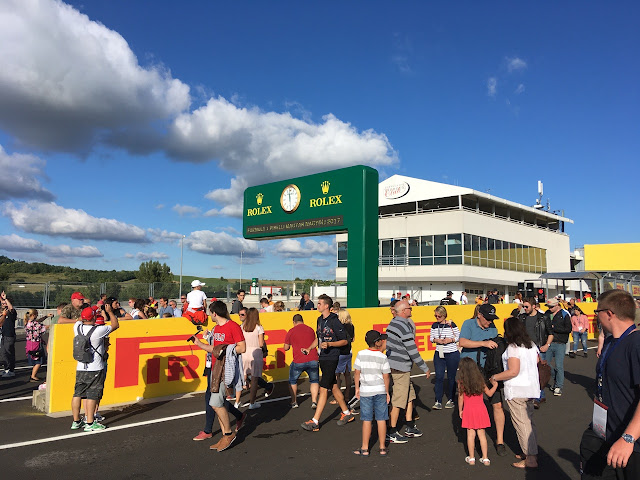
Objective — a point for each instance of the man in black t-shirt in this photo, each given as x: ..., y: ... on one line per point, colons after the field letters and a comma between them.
x: 448, y: 300
x: 236, y: 306
x: 610, y: 447
x: 8, y: 317
x: 331, y: 335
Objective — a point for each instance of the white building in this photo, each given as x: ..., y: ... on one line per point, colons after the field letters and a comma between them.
x: 435, y: 237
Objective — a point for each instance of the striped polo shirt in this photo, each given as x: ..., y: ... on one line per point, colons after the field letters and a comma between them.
x: 372, y: 365
x: 445, y: 330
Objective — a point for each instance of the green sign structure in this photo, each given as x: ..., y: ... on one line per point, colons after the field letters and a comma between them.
x: 344, y: 200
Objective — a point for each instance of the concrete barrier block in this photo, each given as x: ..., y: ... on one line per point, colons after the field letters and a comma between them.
x: 39, y: 400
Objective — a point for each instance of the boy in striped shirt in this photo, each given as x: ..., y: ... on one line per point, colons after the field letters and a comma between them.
x: 372, y: 378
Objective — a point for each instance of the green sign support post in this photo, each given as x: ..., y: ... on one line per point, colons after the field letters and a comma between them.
x: 344, y: 200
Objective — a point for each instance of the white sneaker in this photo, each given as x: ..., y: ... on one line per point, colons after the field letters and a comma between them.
x: 253, y: 406
x: 8, y: 374
x: 236, y: 404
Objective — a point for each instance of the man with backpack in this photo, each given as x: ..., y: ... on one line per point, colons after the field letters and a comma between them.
x: 479, y: 336
x: 89, y: 351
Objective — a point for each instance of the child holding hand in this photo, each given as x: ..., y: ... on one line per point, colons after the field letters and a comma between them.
x: 473, y: 412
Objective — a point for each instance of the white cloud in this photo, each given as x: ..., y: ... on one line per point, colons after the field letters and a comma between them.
x: 217, y: 267
x: 158, y: 235
x: 255, y: 145
x: 143, y: 257
x: 54, y: 220
x: 19, y: 178
x: 520, y: 89
x: 221, y: 243
x: 492, y: 86
x: 184, y: 210
x: 320, y: 262
x: 160, y: 206
x: 16, y: 243
x: 289, y: 248
x: 65, y: 79
x: 515, y: 64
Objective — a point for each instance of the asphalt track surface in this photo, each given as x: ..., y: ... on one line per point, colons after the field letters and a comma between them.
x: 154, y: 440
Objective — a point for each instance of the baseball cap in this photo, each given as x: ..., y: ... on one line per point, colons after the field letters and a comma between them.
x: 449, y: 292
x: 372, y: 336
x: 488, y: 311
x: 552, y: 302
x: 197, y: 283
x: 88, y: 313
x: 99, y: 320
x: 77, y: 296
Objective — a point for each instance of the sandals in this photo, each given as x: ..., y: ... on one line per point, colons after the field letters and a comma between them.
x: 470, y: 460
x: 383, y: 452
x: 523, y: 465
x: 361, y: 452
x: 333, y: 402
x: 485, y: 461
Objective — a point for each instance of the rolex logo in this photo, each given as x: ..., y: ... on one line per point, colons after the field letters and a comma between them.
x: 325, y: 187
x: 259, y: 198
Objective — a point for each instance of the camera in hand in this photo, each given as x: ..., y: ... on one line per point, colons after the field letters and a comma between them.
x: 192, y: 338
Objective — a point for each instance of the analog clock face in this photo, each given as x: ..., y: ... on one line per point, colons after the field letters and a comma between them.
x: 290, y: 198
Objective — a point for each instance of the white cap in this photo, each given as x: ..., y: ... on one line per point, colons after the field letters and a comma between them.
x: 197, y: 283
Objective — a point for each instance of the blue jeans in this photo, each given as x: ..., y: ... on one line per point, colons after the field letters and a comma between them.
x: 375, y: 406
x: 543, y: 357
x: 556, y: 350
x: 296, y: 369
x: 582, y: 337
x: 450, y: 362
x: 210, y: 413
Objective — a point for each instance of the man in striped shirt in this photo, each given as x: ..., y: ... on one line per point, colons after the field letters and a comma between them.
x: 402, y: 353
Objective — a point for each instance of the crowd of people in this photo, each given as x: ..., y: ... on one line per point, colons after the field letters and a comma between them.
x: 484, y: 371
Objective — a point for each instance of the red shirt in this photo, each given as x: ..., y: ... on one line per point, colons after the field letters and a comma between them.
x: 227, y: 334
x: 301, y: 336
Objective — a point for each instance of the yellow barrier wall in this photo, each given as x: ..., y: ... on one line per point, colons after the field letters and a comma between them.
x: 151, y: 358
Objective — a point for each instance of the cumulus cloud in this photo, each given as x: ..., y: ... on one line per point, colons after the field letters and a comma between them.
x: 184, y: 210
x: 492, y: 86
x: 221, y: 243
x: 16, y: 243
x: 54, y: 220
x: 65, y: 79
x: 519, y: 89
x: 143, y: 257
x: 515, y: 64
x: 20, y: 177
x: 255, y: 145
x: 157, y: 235
x: 290, y: 248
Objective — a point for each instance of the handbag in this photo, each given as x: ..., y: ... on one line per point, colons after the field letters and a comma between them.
x: 544, y: 373
x: 34, y: 349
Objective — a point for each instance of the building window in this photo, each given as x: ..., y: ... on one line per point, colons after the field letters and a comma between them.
x: 342, y: 254
x: 414, y: 250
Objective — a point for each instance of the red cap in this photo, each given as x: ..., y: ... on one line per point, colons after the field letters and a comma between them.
x: 99, y: 320
x: 87, y: 314
x: 77, y: 296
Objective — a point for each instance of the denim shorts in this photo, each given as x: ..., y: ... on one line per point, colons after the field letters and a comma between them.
x: 376, y: 405
x: 344, y: 364
x: 296, y: 370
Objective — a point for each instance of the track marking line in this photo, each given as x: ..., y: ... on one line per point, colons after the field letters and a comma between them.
x: 15, y: 399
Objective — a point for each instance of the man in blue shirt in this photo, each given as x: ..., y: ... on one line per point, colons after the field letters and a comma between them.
x: 476, y: 339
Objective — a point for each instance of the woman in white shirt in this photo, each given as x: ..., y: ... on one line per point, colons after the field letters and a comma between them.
x: 445, y: 334
x: 521, y: 387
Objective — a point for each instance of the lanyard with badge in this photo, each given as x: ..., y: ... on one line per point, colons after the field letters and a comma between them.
x: 440, y: 346
x: 599, y: 420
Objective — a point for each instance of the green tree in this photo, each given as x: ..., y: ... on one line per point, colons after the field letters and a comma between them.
x: 152, y: 271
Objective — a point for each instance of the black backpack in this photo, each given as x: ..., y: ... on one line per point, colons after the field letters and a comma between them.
x: 83, y: 351
x: 493, y: 362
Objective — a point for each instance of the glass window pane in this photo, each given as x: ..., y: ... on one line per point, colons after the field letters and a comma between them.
x: 467, y: 260
x: 426, y: 246
x: 525, y: 258
x: 467, y: 245
x: 387, y: 248
x: 439, y: 260
x: 439, y: 247
x: 498, y: 253
x: 400, y: 246
x: 454, y: 244
x: 342, y: 250
x: 518, y: 253
x: 426, y: 261
x: 475, y: 245
x: 414, y: 247
x: 414, y: 261
x: 456, y: 260
x: 483, y: 247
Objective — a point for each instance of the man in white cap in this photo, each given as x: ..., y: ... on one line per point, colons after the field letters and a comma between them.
x: 196, y: 304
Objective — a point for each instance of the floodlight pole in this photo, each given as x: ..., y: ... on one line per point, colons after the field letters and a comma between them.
x: 241, y: 252
x: 181, y: 250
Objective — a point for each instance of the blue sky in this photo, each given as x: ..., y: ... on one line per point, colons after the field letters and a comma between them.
x: 124, y: 125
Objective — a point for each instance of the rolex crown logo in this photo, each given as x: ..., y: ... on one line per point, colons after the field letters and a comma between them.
x: 325, y: 187
x: 259, y: 198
